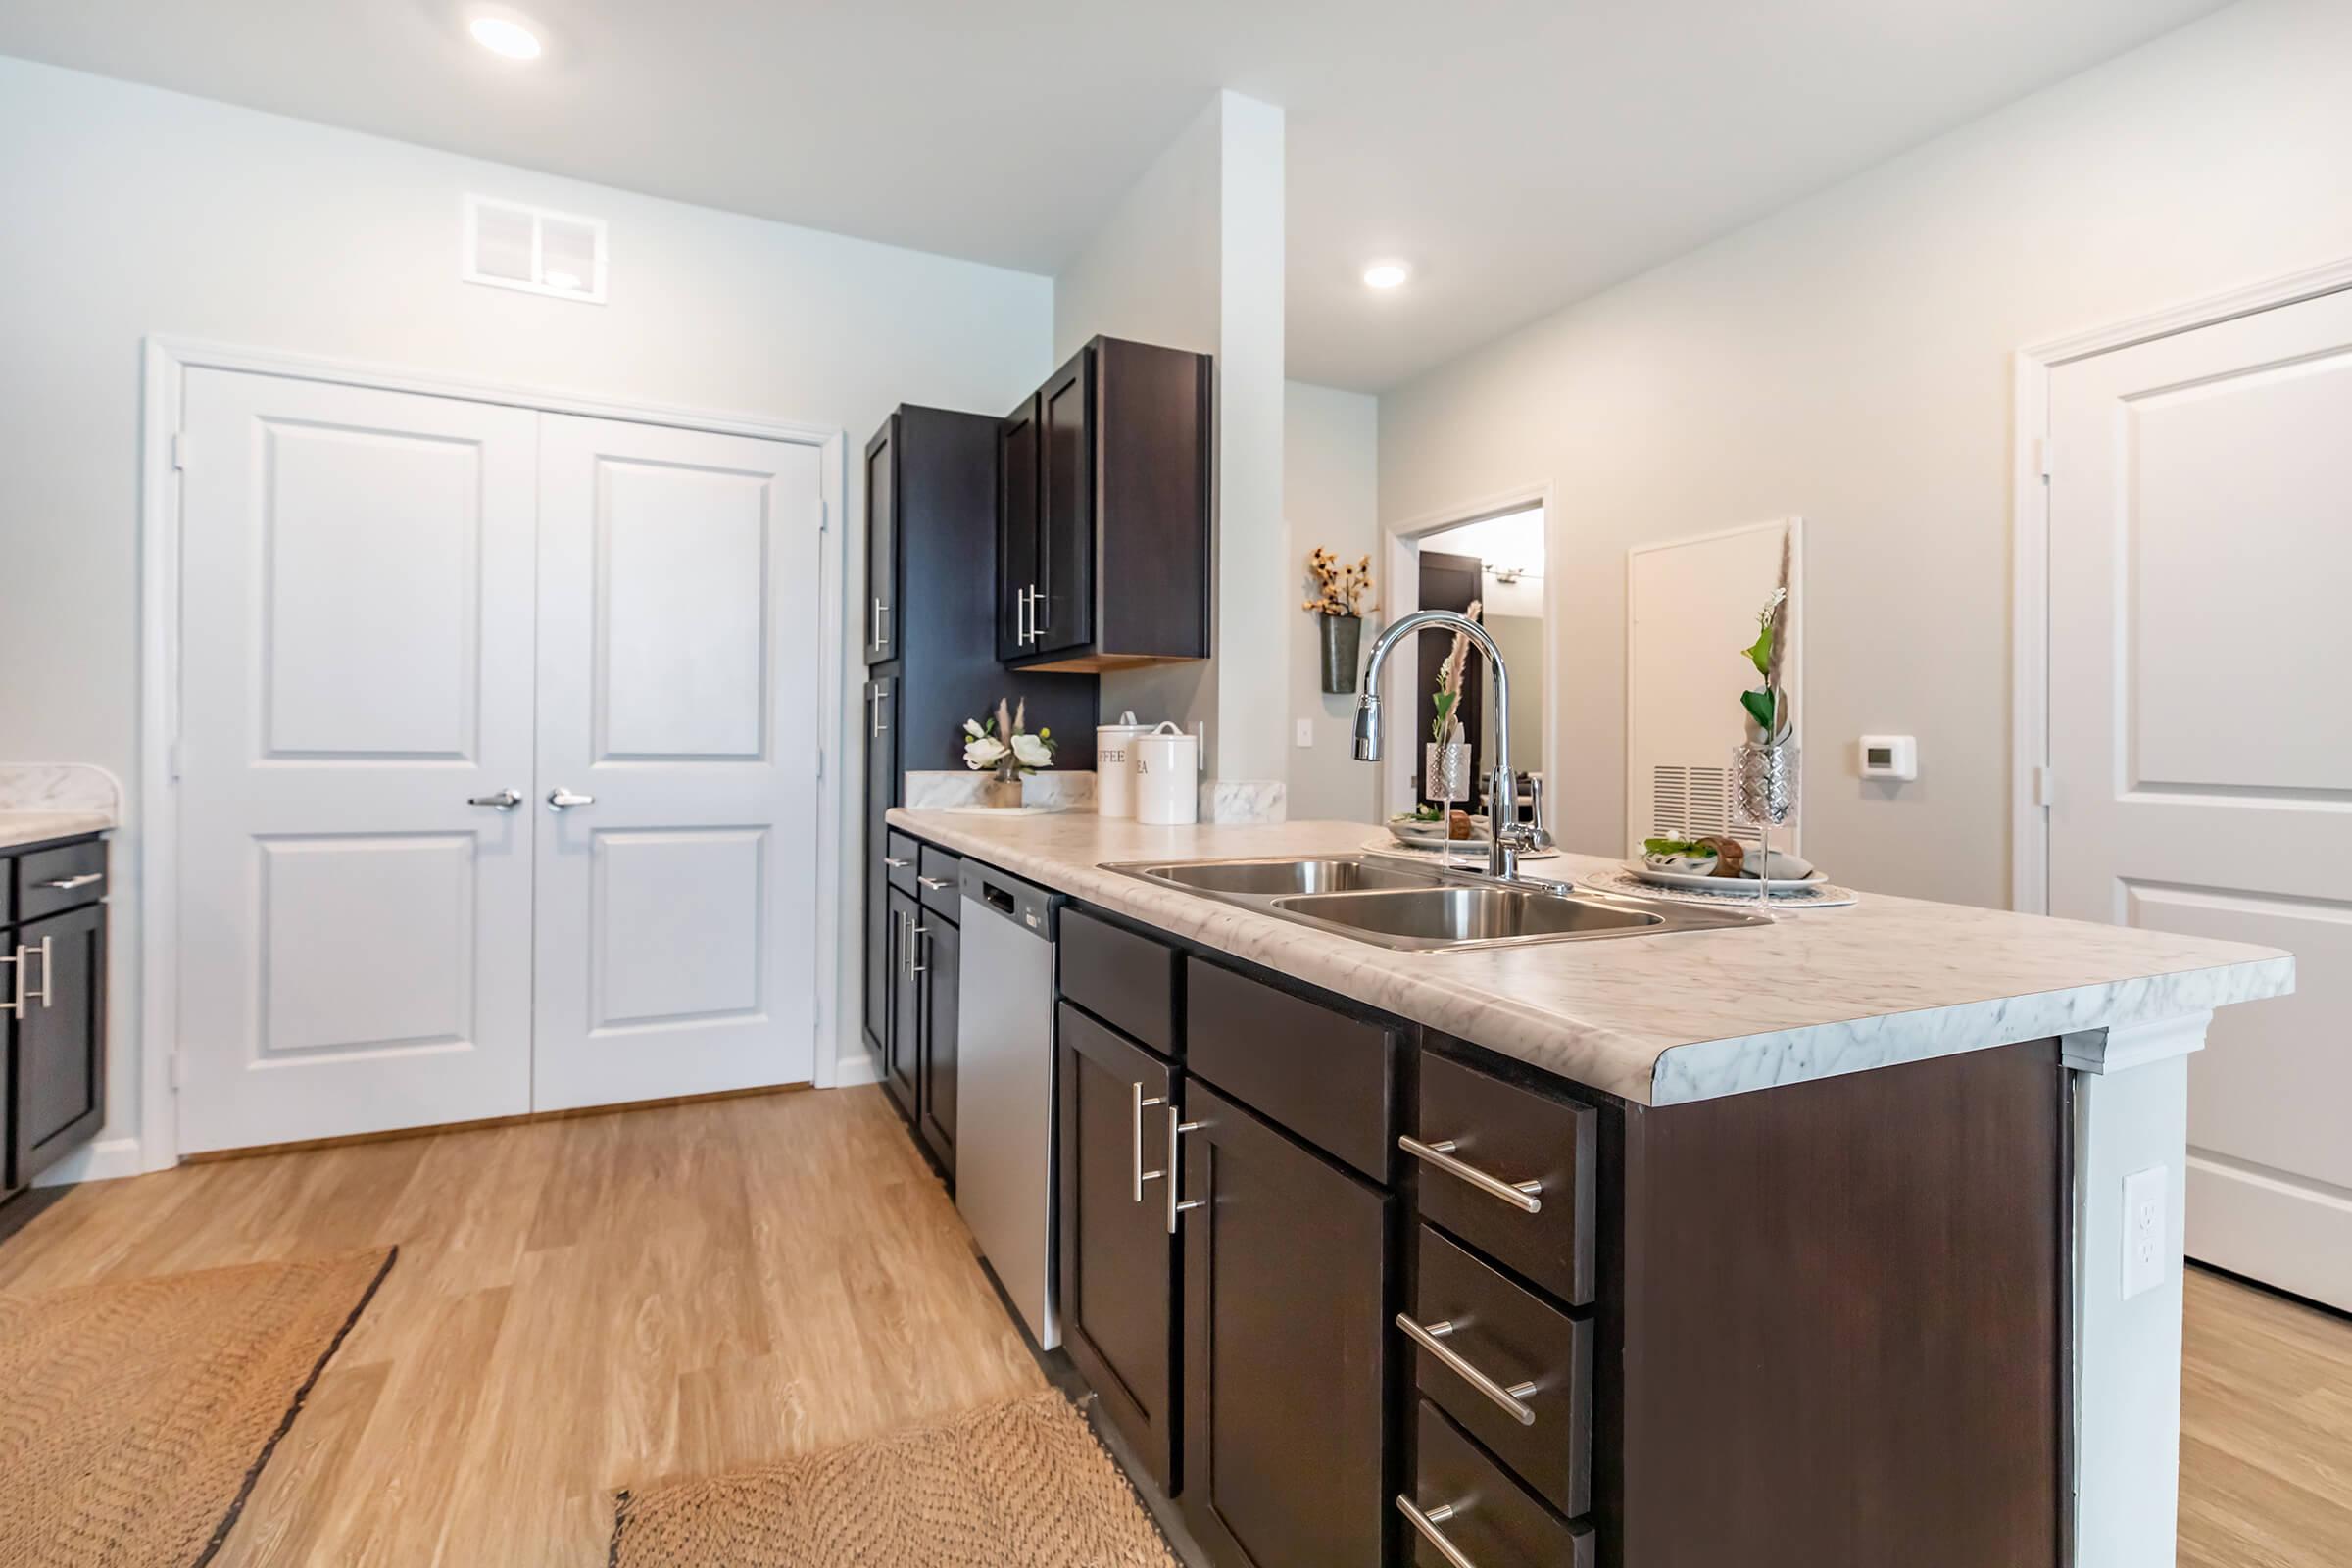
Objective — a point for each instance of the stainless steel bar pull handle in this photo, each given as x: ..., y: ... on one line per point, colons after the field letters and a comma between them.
x: 1135, y: 1125
x: 560, y: 799
x: 881, y: 618
x: 1427, y: 1524
x: 881, y: 696
x: 1021, y: 616
x: 1431, y: 1338
x: 935, y: 883
x: 46, y: 965
x: 504, y: 800
x: 67, y: 884
x: 1037, y: 615
x: 15, y: 1004
x: 1526, y: 1197
x: 915, y: 934
x: 1177, y: 1201
x: 897, y: 862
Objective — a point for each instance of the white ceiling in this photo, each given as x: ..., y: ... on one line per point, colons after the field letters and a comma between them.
x: 1519, y: 153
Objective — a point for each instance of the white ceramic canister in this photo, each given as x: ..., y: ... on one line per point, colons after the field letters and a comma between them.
x: 1167, y: 776
x: 1114, y: 766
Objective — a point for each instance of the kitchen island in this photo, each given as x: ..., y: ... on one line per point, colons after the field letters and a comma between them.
x: 1796, y: 1242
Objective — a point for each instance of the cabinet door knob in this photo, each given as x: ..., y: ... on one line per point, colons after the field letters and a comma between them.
x: 1431, y: 1338
x: 1526, y: 1196
x: 1427, y: 1524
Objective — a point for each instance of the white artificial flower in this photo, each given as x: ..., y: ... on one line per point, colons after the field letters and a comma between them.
x: 971, y: 727
x: 982, y: 753
x: 1032, y: 751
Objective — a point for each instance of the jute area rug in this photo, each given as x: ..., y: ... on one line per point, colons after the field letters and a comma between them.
x: 136, y: 1415
x: 1018, y: 1485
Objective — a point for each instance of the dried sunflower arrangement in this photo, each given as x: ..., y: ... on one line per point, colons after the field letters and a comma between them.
x: 1339, y: 593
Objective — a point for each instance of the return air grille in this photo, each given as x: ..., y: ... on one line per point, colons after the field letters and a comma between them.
x: 508, y: 245
x: 1687, y: 802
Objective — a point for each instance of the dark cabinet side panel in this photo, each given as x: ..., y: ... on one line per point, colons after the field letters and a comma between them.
x: 1286, y: 1343
x: 1845, y: 1314
x: 1152, y: 444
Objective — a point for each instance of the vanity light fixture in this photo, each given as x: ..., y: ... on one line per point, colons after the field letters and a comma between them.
x: 1386, y: 275
x: 504, y: 37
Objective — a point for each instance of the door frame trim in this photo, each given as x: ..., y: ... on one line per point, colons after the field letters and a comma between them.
x: 2030, y: 550
x: 151, y: 828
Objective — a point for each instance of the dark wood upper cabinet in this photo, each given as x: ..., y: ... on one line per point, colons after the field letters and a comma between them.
x: 1105, y: 513
x: 882, y: 544
x: 1286, y: 1347
x: 1021, y: 476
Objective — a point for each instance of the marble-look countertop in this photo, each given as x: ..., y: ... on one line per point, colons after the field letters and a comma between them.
x: 39, y: 827
x: 1662, y: 1020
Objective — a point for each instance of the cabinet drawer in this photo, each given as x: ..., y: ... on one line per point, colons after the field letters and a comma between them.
x: 940, y: 875
x: 1321, y: 1074
x: 1513, y: 1337
x: 67, y: 877
x: 902, y: 859
x: 1488, y: 1518
x: 1471, y: 1123
x: 1120, y: 978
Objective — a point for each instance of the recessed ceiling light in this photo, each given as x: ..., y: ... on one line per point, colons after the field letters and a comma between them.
x: 502, y: 35
x: 1386, y: 275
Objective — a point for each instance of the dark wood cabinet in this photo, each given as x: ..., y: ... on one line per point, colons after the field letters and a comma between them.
x: 1117, y: 1251
x: 882, y: 545
x: 901, y: 1062
x: 938, y: 962
x: 1104, y: 513
x: 1286, y: 1347
x: 929, y: 625
x: 54, y: 987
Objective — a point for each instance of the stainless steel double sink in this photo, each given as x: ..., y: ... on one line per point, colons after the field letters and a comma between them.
x: 1419, y: 908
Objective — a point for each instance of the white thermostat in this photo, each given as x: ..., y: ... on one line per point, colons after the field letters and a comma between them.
x: 1890, y: 757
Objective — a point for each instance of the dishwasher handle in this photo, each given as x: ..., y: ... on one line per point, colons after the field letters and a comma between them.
x: 1027, y: 905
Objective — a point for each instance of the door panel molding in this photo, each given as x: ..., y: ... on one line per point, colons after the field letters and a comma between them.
x: 2029, y: 554
x: 147, y: 951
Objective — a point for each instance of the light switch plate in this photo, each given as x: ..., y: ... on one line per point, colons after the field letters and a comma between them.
x: 2144, y: 1231
x: 1306, y: 732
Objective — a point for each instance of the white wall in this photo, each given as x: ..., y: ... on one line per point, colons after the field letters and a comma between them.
x: 1330, y: 497
x: 1193, y: 258
x: 1848, y: 360
x: 127, y: 211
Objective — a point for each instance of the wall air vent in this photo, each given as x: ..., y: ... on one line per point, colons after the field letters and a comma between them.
x: 512, y: 246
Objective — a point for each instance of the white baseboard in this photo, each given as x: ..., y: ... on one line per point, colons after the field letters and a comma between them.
x: 101, y: 1161
x: 2270, y: 1227
x: 858, y: 1068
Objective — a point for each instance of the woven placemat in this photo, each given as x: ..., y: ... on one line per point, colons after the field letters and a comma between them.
x: 135, y: 1415
x: 1021, y: 1483
x: 1736, y: 894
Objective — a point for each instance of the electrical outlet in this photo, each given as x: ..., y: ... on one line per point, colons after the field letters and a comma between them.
x: 1306, y: 732
x: 2144, y: 1230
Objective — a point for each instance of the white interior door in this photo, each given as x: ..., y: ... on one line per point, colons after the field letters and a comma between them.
x: 357, y: 665
x: 678, y: 703
x: 2200, y: 553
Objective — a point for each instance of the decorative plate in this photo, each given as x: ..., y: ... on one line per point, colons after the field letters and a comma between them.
x: 1433, y: 835
x: 1725, y: 892
x: 1701, y: 882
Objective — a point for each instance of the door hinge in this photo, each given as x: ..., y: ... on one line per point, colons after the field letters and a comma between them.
x: 2045, y: 786
x: 820, y: 764
x: 171, y: 761
x: 175, y: 1069
x: 180, y: 450
x: 2042, y: 457
x: 824, y: 515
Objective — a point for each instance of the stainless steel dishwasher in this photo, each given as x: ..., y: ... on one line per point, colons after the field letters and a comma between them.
x: 1005, y: 1086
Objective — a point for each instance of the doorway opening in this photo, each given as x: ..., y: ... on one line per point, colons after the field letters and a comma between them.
x: 1493, y: 558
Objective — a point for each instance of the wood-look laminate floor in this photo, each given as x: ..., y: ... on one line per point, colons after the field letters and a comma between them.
x: 578, y: 1306
x: 586, y: 1303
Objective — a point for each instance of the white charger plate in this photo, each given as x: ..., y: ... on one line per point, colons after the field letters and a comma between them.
x: 1700, y: 882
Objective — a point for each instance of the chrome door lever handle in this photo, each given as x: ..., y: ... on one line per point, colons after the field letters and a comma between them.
x: 504, y: 800
x: 560, y: 799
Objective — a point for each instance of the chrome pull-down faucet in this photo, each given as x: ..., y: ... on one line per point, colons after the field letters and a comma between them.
x: 1508, y: 835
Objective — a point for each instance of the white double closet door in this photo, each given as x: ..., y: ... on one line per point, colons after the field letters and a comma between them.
x: 398, y: 611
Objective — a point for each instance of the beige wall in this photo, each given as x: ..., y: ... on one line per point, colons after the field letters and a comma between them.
x: 1330, y: 497
x: 1850, y: 359
x: 127, y: 211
